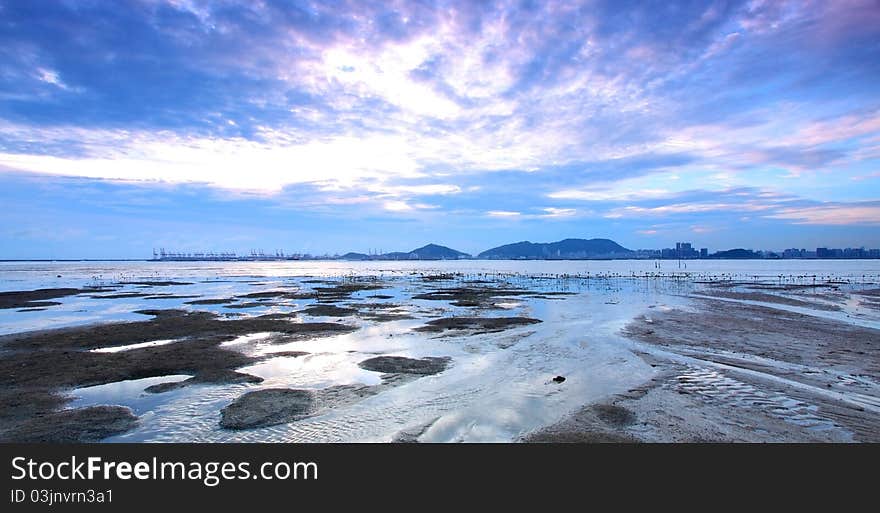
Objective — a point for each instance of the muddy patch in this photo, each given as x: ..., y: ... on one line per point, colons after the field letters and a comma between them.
x: 328, y: 311
x: 277, y: 294
x: 484, y: 297
x: 381, y: 312
x: 759, y: 374
x: 81, y: 425
x: 598, y: 423
x: 159, y: 283
x: 38, y: 367
x: 35, y: 298
x: 763, y: 332
x: 252, y: 304
x: 343, y: 291
x: 401, y: 365
x: 171, y: 296
x: 770, y: 298
x: 475, y: 324
x: 218, y: 301
x: 268, y: 407
x: 122, y: 295
x: 384, y: 316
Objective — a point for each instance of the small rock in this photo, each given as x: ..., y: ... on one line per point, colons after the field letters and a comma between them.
x: 559, y: 379
x: 267, y: 407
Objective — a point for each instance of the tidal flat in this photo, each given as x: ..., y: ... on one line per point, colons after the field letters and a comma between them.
x: 438, y: 352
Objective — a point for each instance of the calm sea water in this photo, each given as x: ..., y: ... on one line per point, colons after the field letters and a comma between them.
x: 25, y: 275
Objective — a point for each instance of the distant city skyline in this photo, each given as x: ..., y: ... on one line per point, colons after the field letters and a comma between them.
x: 317, y: 127
x: 682, y: 250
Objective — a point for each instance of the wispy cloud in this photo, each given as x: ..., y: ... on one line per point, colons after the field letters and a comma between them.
x: 503, y: 213
x: 851, y: 214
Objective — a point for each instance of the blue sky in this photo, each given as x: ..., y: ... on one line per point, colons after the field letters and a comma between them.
x: 335, y: 126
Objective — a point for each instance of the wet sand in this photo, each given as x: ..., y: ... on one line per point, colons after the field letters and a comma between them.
x: 771, y: 298
x: 730, y: 372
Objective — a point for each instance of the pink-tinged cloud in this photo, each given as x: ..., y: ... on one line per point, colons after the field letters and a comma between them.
x: 835, y: 215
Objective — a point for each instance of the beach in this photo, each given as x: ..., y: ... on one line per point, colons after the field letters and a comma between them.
x: 469, y: 351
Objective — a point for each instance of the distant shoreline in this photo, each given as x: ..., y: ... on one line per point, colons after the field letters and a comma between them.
x: 51, y: 260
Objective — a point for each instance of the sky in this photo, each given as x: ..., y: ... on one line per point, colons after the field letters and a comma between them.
x: 335, y: 126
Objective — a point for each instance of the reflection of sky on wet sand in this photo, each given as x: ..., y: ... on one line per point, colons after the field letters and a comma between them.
x: 124, y: 393
x: 313, y: 371
x: 129, y: 347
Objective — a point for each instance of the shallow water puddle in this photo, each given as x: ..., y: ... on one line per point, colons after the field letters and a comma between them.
x: 247, y: 339
x: 313, y: 371
x: 129, y: 347
x: 125, y: 393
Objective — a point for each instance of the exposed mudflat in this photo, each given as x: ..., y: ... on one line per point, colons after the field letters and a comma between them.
x: 771, y: 298
x: 37, y: 367
x: 475, y: 324
x: 729, y: 372
x: 598, y: 423
x: 762, y: 331
x: 72, y: 426
x: 480, y: 296
x: 274, y: 406
x: 217, y: 301
x: 35, y: 298
x: 402, y: 365
x: 439, y: 355
x: 268, y: 407
x: 329, y: 311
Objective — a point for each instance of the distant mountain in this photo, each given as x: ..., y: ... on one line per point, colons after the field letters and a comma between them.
x: 355, y: 256
x: 568, y: 249
x: 429, y: 252
x: 435, y: 252
x: 738, y: 253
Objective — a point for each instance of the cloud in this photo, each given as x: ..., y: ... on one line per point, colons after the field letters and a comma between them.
x: 833, y: 215
x: 397, y: 206
x: 609, y: 194
x: 503, y: 213
x: 559, y: 212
